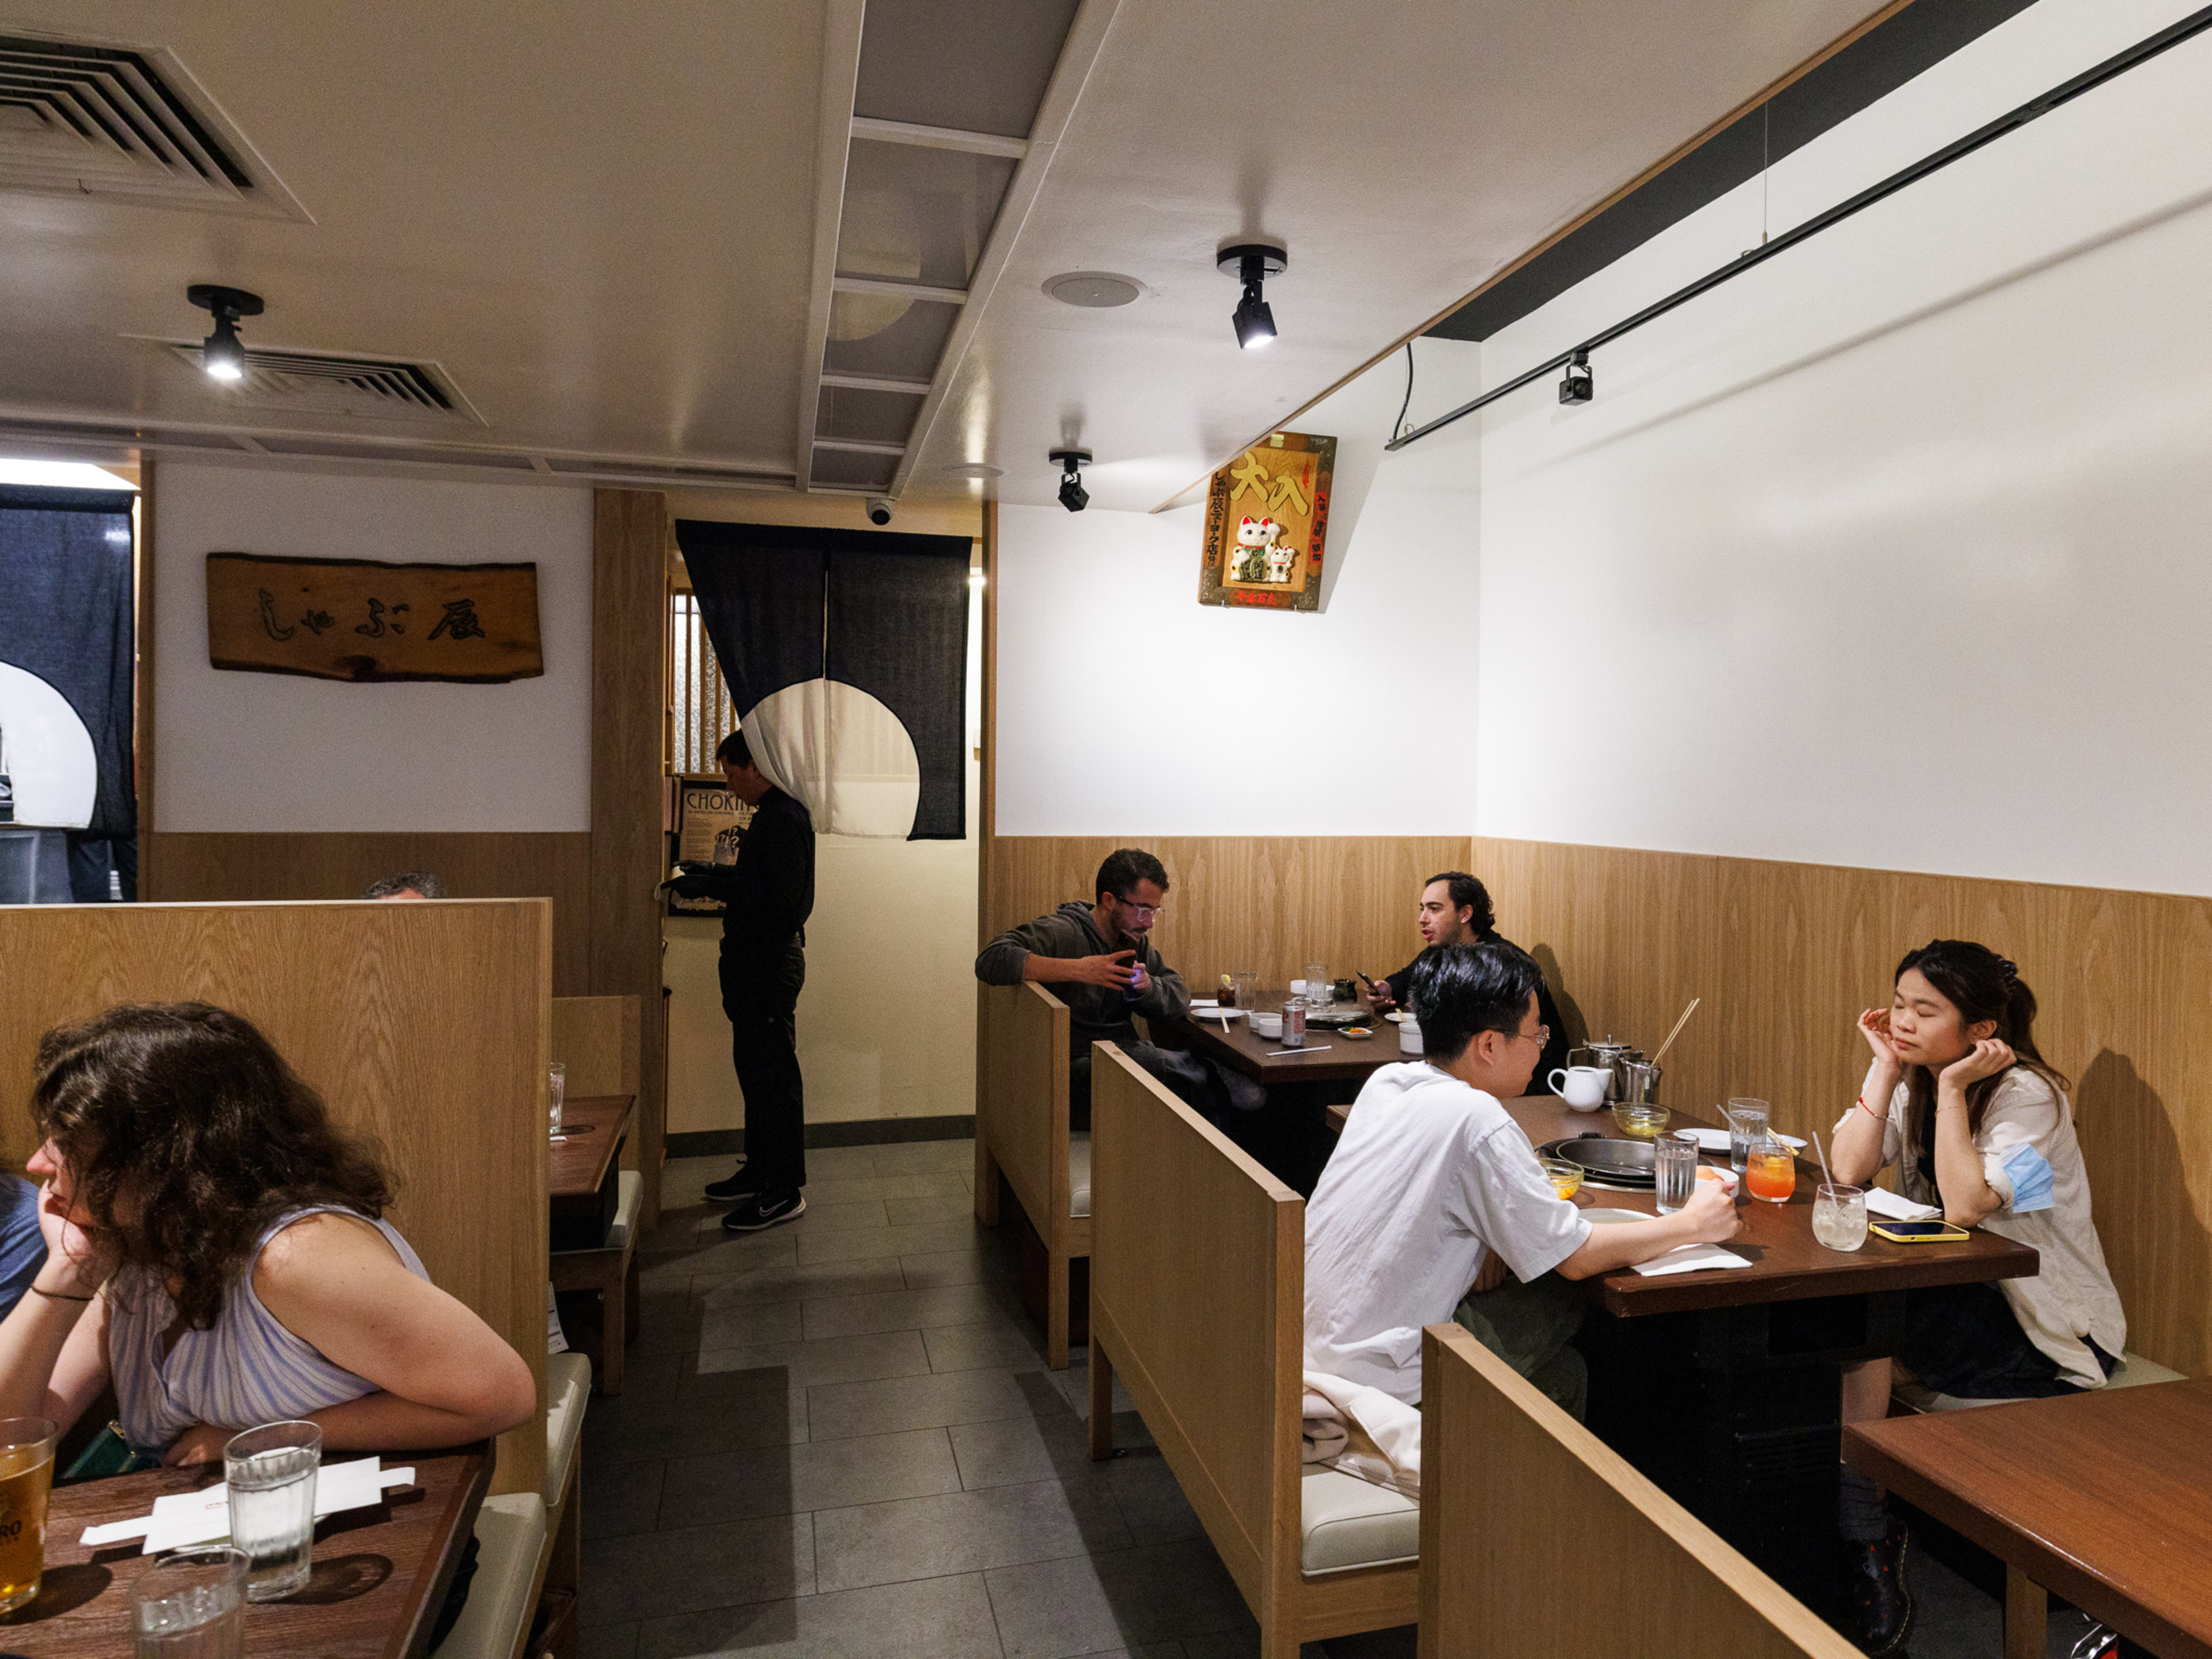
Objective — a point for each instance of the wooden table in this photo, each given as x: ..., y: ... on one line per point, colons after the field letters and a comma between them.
x: 580, y: 1187
x: 1328, y: 1057
x: 1725, y: 1386
x: 2106, y: 1497
x: 380, y: 1575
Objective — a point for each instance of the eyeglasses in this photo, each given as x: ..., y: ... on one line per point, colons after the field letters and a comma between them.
x: 1142, y: 912
x: 1539, y: 1036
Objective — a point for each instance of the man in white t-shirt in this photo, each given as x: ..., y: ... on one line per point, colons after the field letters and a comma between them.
x: 1433, y: 1193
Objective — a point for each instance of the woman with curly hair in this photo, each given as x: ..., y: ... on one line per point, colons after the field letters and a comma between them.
x: 217, y: 1250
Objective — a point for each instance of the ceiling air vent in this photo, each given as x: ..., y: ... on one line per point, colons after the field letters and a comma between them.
x: 324, y: 383
x: 126, y: 124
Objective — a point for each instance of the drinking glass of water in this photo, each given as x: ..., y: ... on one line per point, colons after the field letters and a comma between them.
x: 1839, y: 1216
x: 1674, y: 1167
x: 1318, y: 985
x: 556, y: 1093
x: 1746, y: 1122
x: 190, y: 1604
x: 271, y: 1472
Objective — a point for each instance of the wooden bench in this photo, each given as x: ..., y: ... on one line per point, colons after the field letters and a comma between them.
x: 1198, y: 1304
x: 597, y: 1039
x: 1538, y: 1538
x: 1021, y: 1131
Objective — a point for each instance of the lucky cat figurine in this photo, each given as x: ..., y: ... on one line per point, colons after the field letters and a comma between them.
x: 1260, y: 558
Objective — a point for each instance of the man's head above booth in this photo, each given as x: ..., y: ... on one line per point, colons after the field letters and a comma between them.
x: 406, y: 886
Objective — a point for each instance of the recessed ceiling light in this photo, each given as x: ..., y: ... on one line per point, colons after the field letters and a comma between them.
x: 975, y: 469
x: 1094, y: 290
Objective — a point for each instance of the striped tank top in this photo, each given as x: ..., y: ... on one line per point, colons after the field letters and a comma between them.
x: 243, y: 1370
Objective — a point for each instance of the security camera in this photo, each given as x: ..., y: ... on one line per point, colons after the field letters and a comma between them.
x: 1072, y: 495
x: 880, y: 509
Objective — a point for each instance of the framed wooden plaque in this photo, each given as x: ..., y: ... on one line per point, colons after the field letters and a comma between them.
x: 1267, y: 525
x: 362, y: 620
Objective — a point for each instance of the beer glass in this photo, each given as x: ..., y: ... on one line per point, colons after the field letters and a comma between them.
x: 271, y: 1472
x: 27, y: 1474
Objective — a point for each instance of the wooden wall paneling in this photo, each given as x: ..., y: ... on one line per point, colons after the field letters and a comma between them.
x: 631, y: 532
x: 142, y: 688
x: 425, y: 1026
x: 986, y: 1176
x: 597, y: 1039
x: 1516, y: 1495
x: 230, y: 868
x: 1269, y: 903
x: 1787, y: 955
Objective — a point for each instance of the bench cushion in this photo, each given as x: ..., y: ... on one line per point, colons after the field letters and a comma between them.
x: 1348, y: 1522
x: 1078, y: 1174
x: 2134, y: 1370
x: 510, y: 1537
x: 630, y: 1193
x: 568, y: 1386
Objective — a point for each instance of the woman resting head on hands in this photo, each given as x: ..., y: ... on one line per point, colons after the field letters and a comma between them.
x: 216, y: 1249
x: 1978, y: 1125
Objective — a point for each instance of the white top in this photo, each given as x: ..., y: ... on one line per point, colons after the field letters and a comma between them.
x: 2034, y: 1164
x: 1429, y: 1176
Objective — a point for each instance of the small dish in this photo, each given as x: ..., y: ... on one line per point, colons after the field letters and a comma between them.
x: 1614, y: 1218
x: 1266, y: 1025
x: 1356, y: 1033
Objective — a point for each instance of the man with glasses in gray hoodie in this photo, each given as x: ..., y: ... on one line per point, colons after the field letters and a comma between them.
x: 1100, y: 960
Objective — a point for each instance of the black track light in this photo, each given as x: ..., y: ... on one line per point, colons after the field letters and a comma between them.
x: 1252, y: 263
x: 223, y: 355
x: 1578, y: 385
x: 1072, y: 495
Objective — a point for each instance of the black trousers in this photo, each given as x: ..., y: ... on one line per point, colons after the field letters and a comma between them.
x: 760, y: 993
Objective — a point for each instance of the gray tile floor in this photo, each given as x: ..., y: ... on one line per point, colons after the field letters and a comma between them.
x: 838, y: 1438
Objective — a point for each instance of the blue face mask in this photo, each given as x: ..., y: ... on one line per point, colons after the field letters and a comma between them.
x: 2029, y: 1171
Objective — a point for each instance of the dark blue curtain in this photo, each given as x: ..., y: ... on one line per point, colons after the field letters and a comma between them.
x: 65, y: 615
x: 883, y: 613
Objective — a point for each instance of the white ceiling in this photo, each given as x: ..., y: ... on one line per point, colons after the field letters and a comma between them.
x: 598, y: 218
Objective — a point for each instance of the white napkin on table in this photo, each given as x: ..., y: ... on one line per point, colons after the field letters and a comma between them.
x: 1717, y: 1140
x: 1883, y: 1202
x: 1692, y: 1258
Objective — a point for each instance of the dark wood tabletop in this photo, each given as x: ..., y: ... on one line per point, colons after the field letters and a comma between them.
x: 2105, y: 1498
x: 1788, y: 1264
x: 1329, y: 1056
x: 380, y: 1575
x: 595, y: 1127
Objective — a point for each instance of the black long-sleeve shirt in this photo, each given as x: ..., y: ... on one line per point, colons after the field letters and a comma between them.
x: 769, y: 891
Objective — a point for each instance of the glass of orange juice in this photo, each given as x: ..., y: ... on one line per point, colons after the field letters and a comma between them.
x: 1770, y: 1170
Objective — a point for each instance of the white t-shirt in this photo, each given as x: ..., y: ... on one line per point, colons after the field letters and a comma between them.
x: 1429, y: 1176
x: 2026, y: 1140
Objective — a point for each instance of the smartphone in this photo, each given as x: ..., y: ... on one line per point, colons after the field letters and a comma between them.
x: 1916, y: 1232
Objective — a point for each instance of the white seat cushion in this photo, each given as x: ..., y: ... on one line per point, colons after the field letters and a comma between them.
x: 568, y: 1386
x: 630, y: 1193
x: 1347, y: 1522
x: 1078, y: 1174
x: 510, y: 1537
x: 2134, y: 1370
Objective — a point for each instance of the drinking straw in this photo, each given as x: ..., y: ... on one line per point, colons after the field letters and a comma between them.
x: 1824, y: 1175
x: 1677, y: 1031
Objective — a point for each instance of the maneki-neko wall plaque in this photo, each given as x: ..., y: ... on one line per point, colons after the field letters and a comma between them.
x: 366, y: 621
x: 1267, y: 525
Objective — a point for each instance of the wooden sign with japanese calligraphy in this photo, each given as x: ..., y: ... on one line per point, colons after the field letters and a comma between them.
x: 358, y: 619
x: 1267, y: 525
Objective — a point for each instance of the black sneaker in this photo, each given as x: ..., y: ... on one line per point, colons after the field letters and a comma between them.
x: 743, y: 1183
x: 1881, y: 1606
x: 761, y: 1209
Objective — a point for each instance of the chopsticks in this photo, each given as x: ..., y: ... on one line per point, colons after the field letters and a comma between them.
x: 1677, y: 1031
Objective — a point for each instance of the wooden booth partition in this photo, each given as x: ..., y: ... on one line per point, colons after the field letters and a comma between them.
x: 1537, y: 1538
x: 425, y: 1025
x: 1270, y: 903
x: 1787, y: 955
x: 1022, y: 1133
x: 1198, y: 1305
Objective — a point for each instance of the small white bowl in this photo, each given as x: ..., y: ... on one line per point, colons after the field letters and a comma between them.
x: 1266, y: 1025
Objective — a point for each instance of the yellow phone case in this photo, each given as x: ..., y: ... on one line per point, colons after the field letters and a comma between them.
x: 1950, y: 1234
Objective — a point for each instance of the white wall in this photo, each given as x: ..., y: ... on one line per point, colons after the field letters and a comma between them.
x: 238, y: 751
x: 1126, y: 707
x: 1890, y: 553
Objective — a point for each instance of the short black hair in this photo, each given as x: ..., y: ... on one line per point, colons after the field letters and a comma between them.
x: 734, y: 747
x: 1460, y: 990
x: 1124, y: 868
x: 1468, y: 894
x: 404, y: 881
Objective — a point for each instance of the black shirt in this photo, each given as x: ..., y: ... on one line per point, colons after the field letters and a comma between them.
x: 1548, y: 1014
x: 769, y: 891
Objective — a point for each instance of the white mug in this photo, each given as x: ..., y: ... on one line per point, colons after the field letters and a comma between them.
x: 1583, y: 1087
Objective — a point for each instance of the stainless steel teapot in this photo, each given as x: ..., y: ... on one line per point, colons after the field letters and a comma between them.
x: 1613, y: 1056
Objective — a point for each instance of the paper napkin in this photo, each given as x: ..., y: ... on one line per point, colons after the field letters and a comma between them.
x: 1692, y: 1258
